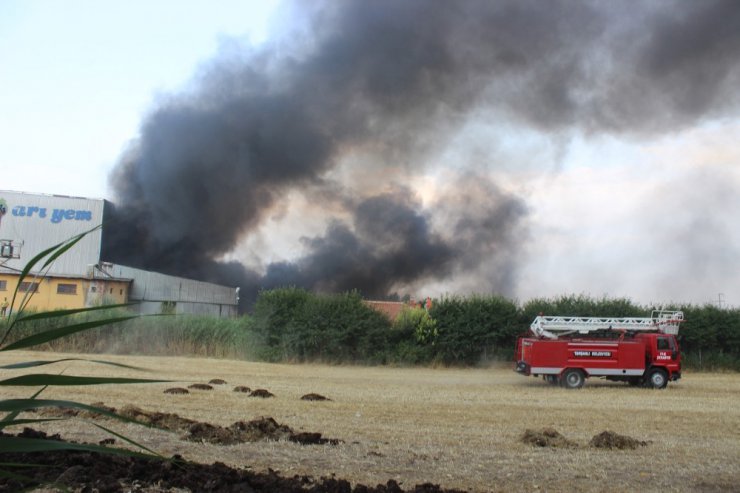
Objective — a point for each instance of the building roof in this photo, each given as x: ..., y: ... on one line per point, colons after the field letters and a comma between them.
x: 391, y: 309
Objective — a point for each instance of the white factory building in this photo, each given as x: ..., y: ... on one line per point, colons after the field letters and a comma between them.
x: 31, y: 223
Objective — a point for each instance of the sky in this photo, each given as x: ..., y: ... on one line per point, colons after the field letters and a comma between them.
x: 590, y: 197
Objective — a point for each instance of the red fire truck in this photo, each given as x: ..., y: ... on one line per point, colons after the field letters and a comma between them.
x: 567, y: 350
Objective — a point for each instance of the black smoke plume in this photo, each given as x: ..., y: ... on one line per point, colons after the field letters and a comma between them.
x: 358, y: 88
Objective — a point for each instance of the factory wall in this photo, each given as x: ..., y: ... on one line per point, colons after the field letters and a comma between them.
x: 160, y: 293
x: 34, y: 222
x: 31, y: 223
x: 58, y: 293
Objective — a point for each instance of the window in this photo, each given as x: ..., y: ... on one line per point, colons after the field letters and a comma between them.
x: 111, y: 291
x: 663, y: 343
x: 121, y: 292
x: 3, y: 285
x: 66, y: 288
x: 93, y: 289
x: 28, y: 287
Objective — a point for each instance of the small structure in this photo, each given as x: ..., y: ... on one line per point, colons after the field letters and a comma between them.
x: 390, y: 309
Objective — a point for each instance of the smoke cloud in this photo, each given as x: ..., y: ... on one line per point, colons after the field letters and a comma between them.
x: 358, y: 97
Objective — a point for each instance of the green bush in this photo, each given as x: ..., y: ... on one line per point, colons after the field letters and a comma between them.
x: 473, y: 328
x: 295, y: 325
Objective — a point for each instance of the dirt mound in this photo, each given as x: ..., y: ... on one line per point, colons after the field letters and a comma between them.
x: 314, y: 397
x: 70, y: 412
x: 546, y: 437
x: 610, y: 440
x: 31, y: 433
x: 217, y: 381
x: 261, y: 393
x: 258, y: 430
x: 176, y: 390
x: 200, y: 386
x: 242, y: 388
x: 168, y: 421
x: 89, y: 471
x: 308, y: 438
x: 208, y: 433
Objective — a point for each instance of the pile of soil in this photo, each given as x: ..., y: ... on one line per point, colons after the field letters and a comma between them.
x: 90, y: 471
x: 264, y: 393
x: 167, y: 421
x: 549, y: 437
x: 314, y: 397
x: 546, y: 437
x: 256, y: 430
x: 176, y: 390
x: 610, y: 440
x: 200, y: 386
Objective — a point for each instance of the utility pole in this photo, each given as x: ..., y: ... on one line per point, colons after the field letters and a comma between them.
x: 721, y: 300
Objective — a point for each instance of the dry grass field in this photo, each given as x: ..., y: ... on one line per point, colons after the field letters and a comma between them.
x: 457, y: 428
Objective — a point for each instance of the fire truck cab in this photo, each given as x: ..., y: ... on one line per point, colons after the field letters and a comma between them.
x: 567, y: 350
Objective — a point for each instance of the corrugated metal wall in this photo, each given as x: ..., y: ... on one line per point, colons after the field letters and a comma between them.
x: 36, y: 222
x: 154, y: 290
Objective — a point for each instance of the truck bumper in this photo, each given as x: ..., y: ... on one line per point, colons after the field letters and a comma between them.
x: 522, y: 367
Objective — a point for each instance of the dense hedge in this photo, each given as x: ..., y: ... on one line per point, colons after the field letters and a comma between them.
x: 294, y: 325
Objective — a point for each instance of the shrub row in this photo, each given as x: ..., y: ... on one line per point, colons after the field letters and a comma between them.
x: 294, y: 325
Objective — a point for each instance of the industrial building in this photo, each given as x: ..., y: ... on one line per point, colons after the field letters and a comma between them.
x: 31, y: 223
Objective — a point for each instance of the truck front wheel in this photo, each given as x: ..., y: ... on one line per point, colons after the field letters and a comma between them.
x: 657, y: 378
x: 573, y: 378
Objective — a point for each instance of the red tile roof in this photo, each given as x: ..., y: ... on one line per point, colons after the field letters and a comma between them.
x: 390, y: 309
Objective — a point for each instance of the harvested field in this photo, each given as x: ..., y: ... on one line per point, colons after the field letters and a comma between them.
x: 457, y: 428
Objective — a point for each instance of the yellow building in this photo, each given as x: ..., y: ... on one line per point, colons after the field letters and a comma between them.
x: 58, y: 293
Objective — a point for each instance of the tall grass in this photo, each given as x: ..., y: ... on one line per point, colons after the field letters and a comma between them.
x: 183, y: 335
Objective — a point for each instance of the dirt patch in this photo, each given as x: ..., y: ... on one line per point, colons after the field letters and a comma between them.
x: 217, y: 381
x: 261, y: 393
x: 176, y: 390
x: 242, y: 388
x: 256, y: 430
x: 547, y: 437
x: 314, y: 397
x: 90, y: 471
x: 200, y: 386
x: 610, y: 440
x: 168, y: 421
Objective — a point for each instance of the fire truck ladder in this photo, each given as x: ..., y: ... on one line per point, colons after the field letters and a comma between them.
x: 554, y: 327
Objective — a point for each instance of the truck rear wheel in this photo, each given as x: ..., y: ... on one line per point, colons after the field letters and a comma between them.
x: 657, y: 378
x: 573, y: 378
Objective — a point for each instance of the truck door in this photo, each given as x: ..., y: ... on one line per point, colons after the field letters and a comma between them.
x: 663, y: 355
